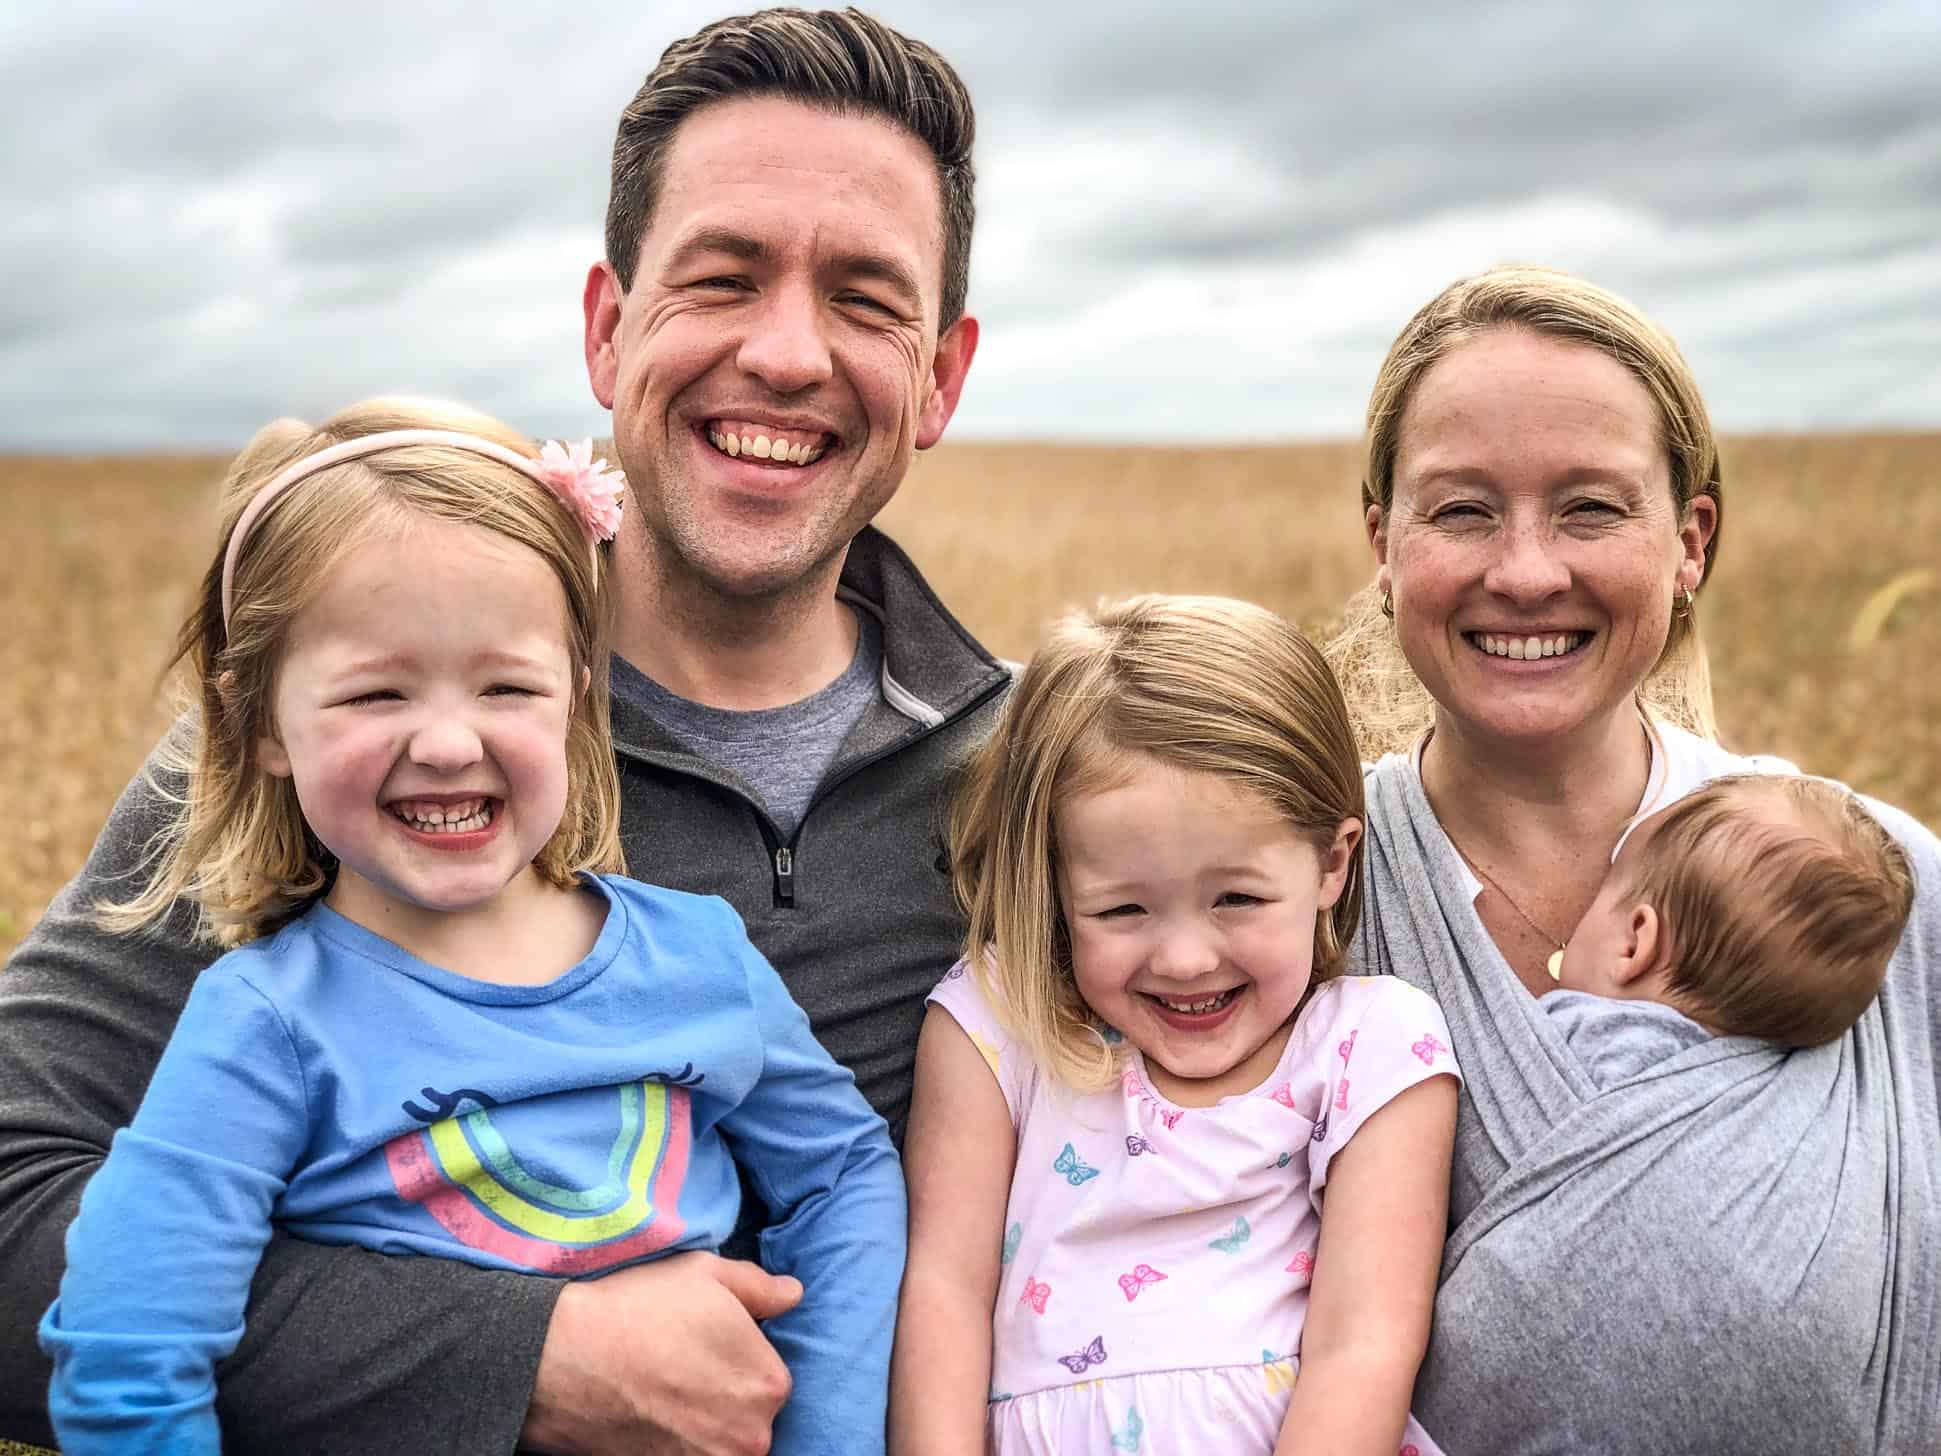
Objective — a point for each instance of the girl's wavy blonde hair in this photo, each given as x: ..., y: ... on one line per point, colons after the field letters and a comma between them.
x: 1202, y: 684
x: 1390, y: 707
x: 238, y: 848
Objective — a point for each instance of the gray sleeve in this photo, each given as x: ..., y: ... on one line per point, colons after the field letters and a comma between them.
x: 343, y: 1349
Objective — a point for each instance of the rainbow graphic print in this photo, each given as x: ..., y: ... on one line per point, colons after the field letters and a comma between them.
x: 460, y: 1169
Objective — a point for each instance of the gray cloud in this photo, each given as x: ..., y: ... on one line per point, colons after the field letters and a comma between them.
x: 1194, y: 224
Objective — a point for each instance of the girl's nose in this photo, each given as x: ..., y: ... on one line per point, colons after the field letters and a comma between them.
x: 1185, y: 954
x: 446, y: 743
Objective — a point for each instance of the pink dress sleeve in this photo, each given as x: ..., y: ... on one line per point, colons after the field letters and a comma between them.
x: 1384, y: 1036
x: 961, y: 993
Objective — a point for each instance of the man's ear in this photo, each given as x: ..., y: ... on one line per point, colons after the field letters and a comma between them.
x: 1645, y: 946
x: 600, y: 303
x: 948, y: 367
x: 1336, y: 863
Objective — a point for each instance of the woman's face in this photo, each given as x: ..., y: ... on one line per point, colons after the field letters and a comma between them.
x: 1532, y: 547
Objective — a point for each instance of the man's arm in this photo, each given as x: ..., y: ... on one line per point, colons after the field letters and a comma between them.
x: 342, y: 1348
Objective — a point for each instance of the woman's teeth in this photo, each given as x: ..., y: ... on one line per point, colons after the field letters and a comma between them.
x: 446, y: 818
x: 1522, y: 649
x: 773, y: 447
x: 1201, y: 1006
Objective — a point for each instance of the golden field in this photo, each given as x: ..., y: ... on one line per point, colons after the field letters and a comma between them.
x: 1827, y: 539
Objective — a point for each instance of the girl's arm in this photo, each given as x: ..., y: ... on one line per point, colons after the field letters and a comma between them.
x: 161, y: 1255
x: 822, y: 1162
x: 1384, y: 1212
x: 957, y: 1158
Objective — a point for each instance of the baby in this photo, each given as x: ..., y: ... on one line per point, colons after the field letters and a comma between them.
x: 1760, y: 905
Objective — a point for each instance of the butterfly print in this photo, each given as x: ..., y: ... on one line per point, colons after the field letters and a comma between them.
x: 1282, y: 1161
x: 1347, y: 1047
x: 1231, y: 1243
x: 1427, y: 1049
x: 1013, y: 1236
x: 1302, y: 1264
x: 1129, y: 1080
x: 1077, y: 1171
x: 1128, y: 1439
x: 1341, y: 1096
x: 1410, y: 1450
x: 1135, y: 1145
x: 1284, y: 1094
x: 955, y: 972
x: 1320, y: 1132
x: 1035, y: 1294
x: 1169, y: 1116
x: 1138, y: 1279
x: 1092, y: 1354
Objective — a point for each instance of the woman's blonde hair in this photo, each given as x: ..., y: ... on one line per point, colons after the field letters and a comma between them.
x: 1389, y: 706
x: 238, y: 847
x: 1202, y: 684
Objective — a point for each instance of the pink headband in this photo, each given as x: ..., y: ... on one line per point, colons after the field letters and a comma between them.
x: 589, y: 489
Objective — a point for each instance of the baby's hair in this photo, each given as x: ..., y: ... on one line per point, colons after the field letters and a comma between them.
x: 1202, y: 684
x: 238, y: 847
x: 1783, y: 899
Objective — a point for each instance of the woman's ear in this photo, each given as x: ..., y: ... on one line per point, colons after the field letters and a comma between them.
x: 586, y: 680
x: 1337, y: 861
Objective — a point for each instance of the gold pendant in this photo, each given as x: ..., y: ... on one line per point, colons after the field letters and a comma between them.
x: 1556, y: 964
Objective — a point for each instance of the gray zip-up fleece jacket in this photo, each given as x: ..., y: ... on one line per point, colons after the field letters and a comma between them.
x: 351, y: 1351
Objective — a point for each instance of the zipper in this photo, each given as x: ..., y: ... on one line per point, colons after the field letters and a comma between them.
x: 784, y: 876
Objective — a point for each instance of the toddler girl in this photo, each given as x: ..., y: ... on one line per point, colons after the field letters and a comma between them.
x: 447, y: 1026
x: 1176, y: 1185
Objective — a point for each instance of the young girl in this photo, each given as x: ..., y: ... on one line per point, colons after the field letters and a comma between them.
x: 1162, y: 1157
x: 447, y: 1027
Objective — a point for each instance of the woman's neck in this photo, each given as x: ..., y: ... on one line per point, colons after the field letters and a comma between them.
x: 1499, y: 799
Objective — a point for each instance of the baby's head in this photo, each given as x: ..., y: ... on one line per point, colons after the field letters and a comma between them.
x: 1761, y: 905
x: 304, y: 532
x: 1190, y: 701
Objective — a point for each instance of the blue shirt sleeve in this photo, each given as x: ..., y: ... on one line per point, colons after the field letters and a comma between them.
x: 822, y: 1162
x: 171, y: 1228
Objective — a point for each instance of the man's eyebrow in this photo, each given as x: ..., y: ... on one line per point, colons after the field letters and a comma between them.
x: 719, y: 240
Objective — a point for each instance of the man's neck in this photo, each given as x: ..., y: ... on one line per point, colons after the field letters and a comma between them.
x: 741, y: 654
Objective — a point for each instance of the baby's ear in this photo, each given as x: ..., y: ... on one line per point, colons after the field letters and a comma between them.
x: 1644, y: 945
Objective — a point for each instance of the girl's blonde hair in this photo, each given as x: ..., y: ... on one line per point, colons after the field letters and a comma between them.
x: 1389, y: 706
x: 1202, y: 684
x: 238, y: 848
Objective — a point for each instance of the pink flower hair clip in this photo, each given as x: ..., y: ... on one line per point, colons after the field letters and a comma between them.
x: 591, y: 490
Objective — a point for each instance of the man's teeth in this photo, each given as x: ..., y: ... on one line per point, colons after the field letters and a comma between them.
x: 766, y: 446
x: 446, y: 818
x: 1204, y: 1004
x: 1523, y: 649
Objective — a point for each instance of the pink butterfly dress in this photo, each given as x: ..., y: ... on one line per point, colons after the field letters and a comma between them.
x: 1157, y: 1258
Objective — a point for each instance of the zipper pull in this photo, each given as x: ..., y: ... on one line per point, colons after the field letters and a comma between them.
x: 785, y: 875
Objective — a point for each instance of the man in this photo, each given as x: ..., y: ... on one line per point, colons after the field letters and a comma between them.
x: 778, y: 325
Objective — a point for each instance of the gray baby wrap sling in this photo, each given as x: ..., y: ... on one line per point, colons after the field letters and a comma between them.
x: 1738, y: 1250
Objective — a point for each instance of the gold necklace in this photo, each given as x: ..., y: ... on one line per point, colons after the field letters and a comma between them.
x: 1555, y: 963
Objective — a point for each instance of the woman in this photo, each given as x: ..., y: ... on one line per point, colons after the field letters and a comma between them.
x: 1738, y: 1249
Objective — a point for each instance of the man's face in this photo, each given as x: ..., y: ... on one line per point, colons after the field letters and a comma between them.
x: 777, y: 359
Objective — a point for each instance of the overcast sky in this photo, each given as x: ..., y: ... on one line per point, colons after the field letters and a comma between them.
x: 1198, y: 221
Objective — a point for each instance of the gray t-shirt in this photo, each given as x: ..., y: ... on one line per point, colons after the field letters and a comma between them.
x: 780, y: 753
x: 1617, y: 1039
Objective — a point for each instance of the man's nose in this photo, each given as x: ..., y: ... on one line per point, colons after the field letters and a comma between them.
x: 787, y: 344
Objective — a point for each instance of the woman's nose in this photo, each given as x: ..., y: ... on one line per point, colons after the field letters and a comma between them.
x: 1527, y: 566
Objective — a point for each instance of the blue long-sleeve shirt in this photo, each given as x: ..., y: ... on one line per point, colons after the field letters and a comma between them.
x: 331, y: 1082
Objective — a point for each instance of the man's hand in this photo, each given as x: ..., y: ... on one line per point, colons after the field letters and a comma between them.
x: 662, y: 1359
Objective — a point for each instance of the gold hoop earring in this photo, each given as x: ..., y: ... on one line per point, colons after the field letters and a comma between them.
x: 1687, y: 612
x: 1388, y: 605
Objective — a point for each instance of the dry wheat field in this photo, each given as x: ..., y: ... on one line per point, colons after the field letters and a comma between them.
x: 1823, y: 619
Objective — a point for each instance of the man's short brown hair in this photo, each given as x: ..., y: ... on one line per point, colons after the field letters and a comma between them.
x: 838, y: 60
x: 1783, y: 900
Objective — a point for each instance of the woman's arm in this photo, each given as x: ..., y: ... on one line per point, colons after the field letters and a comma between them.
x: 957, y: 1159
x: 1383, y: 1217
